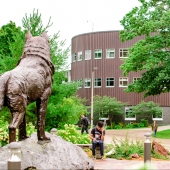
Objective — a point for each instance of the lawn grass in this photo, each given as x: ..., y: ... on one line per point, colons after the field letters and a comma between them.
x: 164, y: 134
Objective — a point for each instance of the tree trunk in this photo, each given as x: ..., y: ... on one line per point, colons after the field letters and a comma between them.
x: 110, y: 119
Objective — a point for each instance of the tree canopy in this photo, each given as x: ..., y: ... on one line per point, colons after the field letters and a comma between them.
x: 147, y: 109
x: 108, y: 107
x: 151, y: 54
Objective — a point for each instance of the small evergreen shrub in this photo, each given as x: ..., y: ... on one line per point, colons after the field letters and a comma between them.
x: 71, y: 134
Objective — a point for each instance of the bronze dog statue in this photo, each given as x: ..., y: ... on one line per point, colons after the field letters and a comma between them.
x: 30, y: 81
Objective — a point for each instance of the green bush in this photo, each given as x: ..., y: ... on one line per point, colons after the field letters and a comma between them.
x: 158, y: 156
x: 71, y: 134
x: 130, y: 126
x: 30, y: 129
x: 145, y: 122
x: 108, y: 127
x: 124, y: 148
x: 4, y: 132
x: 118, y: 127
x: 4, y: 139
x: 142, y: 123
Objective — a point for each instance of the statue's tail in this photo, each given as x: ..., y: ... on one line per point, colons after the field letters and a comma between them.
x: 3, y: 79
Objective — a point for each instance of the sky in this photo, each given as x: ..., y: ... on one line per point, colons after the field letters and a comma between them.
x: 70, y: 17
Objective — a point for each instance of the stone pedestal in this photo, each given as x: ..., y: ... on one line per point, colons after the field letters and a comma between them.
x: 58, y: 154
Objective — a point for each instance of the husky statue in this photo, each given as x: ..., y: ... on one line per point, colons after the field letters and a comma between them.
x: 30, y: 81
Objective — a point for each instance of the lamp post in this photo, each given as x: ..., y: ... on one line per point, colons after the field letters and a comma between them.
x: 92, y: 93
x: 147, y: 148
x: 14, y: 156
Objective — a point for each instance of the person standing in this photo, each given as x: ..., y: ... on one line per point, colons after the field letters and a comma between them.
x: 97, y: 136
x: 84, y: 124
x: 154, y: 128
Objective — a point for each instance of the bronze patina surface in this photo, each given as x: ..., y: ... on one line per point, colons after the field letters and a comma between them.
x: 30, y: 81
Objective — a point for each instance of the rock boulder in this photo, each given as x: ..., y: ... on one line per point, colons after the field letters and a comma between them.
x: 58, y: 154
x: 159, y: 148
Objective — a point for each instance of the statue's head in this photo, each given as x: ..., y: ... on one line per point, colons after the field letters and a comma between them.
x: 38, y: 46
x: 37, y: 39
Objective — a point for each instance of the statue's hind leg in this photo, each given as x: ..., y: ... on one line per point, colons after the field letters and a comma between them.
x: 16, y: 121
x: 41, y: 114
x: 22, y: 130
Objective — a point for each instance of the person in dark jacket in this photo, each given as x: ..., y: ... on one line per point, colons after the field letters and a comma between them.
x: 97, y: 136
x: 84, y: 124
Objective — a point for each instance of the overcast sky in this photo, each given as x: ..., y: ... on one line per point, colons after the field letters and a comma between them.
x: 69, y: 16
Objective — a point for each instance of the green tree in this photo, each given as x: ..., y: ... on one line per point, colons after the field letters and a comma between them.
x: 59, y: 53
x: 108, y: 106
x: 34, y: 23
x: 9, y: 56
x: 151, y: 55
x: 63, y: 106
x: 7, y: 36
x: 147, y: 109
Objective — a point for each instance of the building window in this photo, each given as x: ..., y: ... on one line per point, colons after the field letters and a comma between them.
x: 110, y: 82
x: 79, y: 56
x: 123, y: 82
x: 87, y: 83
x: 74, y: 57
x: 123, y: 52
x: 97, y: 82
x: 98, y: 54
x: 88, y: 55
x: 157, y: 116
x: 128, y: 114
x: 110, y: 53
x: 80, y: 83
x: 135, y: 79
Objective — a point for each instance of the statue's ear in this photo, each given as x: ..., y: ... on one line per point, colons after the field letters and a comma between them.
x: 44, y: 35
x: 28, y: 35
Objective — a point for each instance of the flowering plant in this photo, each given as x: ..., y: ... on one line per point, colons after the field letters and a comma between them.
x: 71, y: 134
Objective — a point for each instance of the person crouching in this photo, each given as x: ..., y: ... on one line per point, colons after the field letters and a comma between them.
x: 97, y: 136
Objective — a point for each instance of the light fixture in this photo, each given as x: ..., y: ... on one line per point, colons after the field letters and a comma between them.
x: 14, y: 156
x: 53, y: 131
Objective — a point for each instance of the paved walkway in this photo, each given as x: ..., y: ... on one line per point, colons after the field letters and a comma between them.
x: 131, y: 164
x: 113, y: 164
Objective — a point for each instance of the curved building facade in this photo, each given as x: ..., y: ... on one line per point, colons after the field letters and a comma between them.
x: 102, y: 53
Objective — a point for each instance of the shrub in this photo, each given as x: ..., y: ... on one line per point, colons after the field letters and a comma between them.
x: 145, y: 122
x: 108, y: 127
x: 124, y: 148
x: 158, y: 155
x: 130, y: 126
x: 71, y: 134
x: 30, y: 129
x: 4, y: 139
x: 4, y: 132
